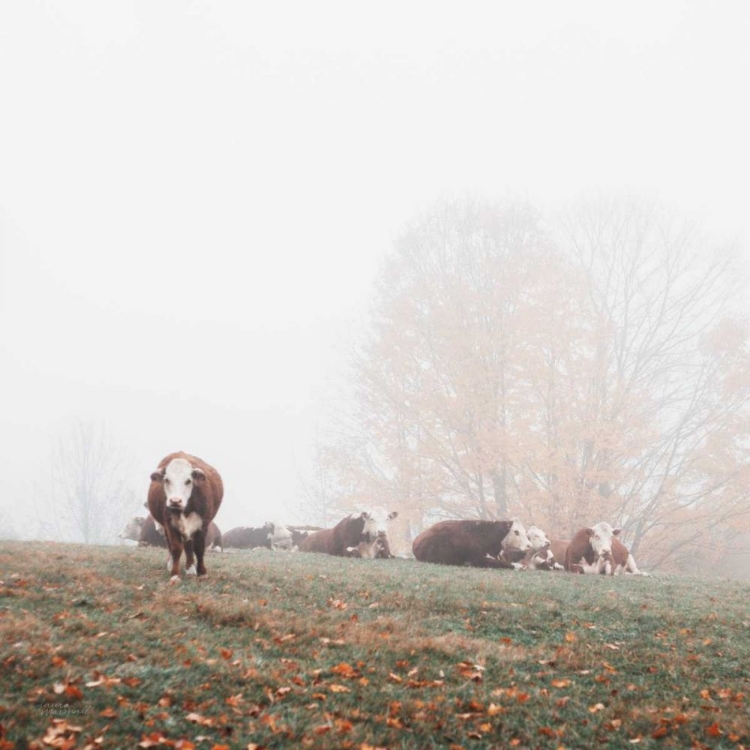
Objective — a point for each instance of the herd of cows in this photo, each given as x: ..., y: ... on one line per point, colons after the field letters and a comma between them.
x: 185, y: 494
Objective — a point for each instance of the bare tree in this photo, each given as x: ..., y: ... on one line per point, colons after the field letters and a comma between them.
x: 592, y: 370
x: 87, y: 498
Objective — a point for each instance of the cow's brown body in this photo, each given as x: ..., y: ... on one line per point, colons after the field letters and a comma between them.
x: 475, y: 543
x: 559, y: 548
x: 205, y: 500
x: 151, y: 535
x: 579, y: 549
x: 346, y: 534
x: 621, y: 561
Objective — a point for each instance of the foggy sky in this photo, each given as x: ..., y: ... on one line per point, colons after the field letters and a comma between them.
x: 195, y: 197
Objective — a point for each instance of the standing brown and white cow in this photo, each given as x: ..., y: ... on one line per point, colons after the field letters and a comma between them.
x: 481, y: 544
x: 184, y: 496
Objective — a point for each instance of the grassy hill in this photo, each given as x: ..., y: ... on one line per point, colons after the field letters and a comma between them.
x: 295, y: 650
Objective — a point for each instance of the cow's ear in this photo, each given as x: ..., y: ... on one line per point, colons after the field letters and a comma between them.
x: 198, y: 474
x: 616, y: 532
x: 365, y: 515
x: 158, y: 475
x: 392, y: 515
x: 589, y: 532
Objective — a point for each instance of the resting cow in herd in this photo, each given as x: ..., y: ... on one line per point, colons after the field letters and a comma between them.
x: 540, y: 556
x: 144, y: 531
x: 271, y: 536
x: 481, y: 544
x: 353, y: 536
x: 589, y: 548
x: 184, y: 496
x: 620, y: 561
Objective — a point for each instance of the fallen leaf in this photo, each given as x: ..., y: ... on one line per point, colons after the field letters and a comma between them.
x: 560, y: 683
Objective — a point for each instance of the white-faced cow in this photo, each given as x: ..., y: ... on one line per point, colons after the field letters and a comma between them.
x: 184, y: 496
x: 540, y: 556
x: 589, y: 548
x: 481, y: 544
x: 353, y: 536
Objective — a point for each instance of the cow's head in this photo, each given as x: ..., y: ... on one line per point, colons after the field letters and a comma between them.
x: 600, y: 538
x: 516, y: 540
x: 375, y: 527
x: 178, y: 478
x: 132, y: 529
x: 537, y: 538
x: 279, y: 536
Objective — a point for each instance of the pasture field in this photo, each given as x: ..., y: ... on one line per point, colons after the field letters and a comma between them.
x: 298, y: 650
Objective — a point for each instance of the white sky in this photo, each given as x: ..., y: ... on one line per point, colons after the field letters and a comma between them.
x: 195, y: 197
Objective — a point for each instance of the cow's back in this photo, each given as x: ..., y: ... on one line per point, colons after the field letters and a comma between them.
x: 318, y: 541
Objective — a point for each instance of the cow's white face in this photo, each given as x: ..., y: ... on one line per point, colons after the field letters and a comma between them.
x: 178, y: 478
x: 600, y: 538
x: 537, y: 538
x: 280, y: 536
x: 132, y: 529
x: 376, y: 522
x: 516, y: 538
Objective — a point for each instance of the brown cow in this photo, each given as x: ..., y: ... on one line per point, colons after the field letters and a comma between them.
x: 620, y: 561
x: 481, y: 544
x: 184, y: 496
x: 589, y: 548
x: 351, y: 532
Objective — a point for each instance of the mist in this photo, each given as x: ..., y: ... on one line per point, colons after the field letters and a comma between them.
x: 196, y: 200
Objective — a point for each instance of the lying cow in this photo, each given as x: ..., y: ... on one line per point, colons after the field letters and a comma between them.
x: 540, y: 556
x: 270, y: 535
x: 145, y: 531
x: 184, y: 496
x: 354, y: 536
x: 619, y: 561
x: 301, y: 532
x: 481, y: 544
x: 590, y: 548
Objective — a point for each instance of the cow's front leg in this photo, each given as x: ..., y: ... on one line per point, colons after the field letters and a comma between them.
x: 175, y: 550
x: 488, y: 561
x: 189, y: 559
x: 199, y: 545
x: 174, y: 545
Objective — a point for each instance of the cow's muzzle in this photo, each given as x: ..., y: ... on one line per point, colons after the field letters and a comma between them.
x: 174, y: 503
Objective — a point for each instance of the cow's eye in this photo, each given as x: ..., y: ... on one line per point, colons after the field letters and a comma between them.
x: 516, y: 532
x: 187, y: 481
x: 166, y: 481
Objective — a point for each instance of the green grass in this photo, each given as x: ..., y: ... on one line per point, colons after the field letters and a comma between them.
x: 296, y: 650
